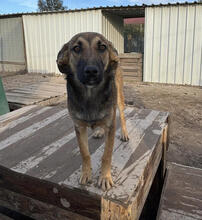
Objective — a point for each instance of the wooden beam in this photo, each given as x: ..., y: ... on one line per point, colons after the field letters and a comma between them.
x: 34, y: 208
x: 58, y: 195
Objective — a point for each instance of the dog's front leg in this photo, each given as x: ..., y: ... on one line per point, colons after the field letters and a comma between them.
x: 82, y: 137
x: 105, y: 180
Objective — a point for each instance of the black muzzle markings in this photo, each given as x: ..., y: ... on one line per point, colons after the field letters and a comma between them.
x: 90, y: 73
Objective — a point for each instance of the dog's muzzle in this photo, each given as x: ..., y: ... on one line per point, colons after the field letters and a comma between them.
x: 92, y: 75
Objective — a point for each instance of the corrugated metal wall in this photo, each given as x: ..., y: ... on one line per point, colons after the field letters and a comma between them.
x: 112, y: 29
x: 46, y: 33
x: 173, y: 44
x: 12, y: 57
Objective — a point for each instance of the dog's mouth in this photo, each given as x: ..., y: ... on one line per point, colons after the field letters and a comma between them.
x: 92, y: 81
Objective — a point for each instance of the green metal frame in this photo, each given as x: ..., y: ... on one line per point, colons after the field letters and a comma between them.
x: 4, y: 108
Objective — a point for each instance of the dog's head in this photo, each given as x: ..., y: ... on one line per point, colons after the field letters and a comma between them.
x: 88, y: 56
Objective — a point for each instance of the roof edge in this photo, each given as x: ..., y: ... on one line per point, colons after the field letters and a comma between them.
x: 99, y: 8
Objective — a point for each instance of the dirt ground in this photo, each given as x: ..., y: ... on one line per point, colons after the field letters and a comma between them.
x: 185, y: 106
x: 183, y: 102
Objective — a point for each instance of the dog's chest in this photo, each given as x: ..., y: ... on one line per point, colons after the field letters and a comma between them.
x: 90, y: 106
x: 91, y: 109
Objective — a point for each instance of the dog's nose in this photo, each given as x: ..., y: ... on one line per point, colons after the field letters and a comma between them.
x: 91, y: 71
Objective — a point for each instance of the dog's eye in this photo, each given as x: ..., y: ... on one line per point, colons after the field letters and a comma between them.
x: 102, y: 47
x: 77, y: 49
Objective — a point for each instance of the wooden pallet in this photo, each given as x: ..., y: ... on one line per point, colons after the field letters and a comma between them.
x: 131, y: 64
x: 35, y: 93
x: 40, y: 165
x: 182, y: 194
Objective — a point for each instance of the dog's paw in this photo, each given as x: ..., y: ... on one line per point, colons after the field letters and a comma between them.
x: 124, y: 137
x: 85, y: 178
x: 99, y: 133
x: 105, y: 182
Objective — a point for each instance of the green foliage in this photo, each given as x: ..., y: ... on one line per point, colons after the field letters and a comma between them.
x: 51, y: 5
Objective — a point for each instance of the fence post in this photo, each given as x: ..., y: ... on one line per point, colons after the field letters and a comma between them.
x: 4, y: 108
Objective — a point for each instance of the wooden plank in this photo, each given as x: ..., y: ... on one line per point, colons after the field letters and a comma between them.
x: 76, y: 201
x: 14, y: 114
x: 43, y: 141
x: 34, y: 208
x: 24, y: 101
x: 165, y: 145
x: 129, y: 70
x: 182, y: 193
x: 47, y: 86
x: 130, y: 55
x: 132, y: 74
x: 26, y: 95
x: 129, y: 61
x: 26, y: 122
x: 41, y: 155
x: 29, y: 130
x: 132, y: 79
x: 33, y: 91
x: 4, y: 217
x: 14, y: 122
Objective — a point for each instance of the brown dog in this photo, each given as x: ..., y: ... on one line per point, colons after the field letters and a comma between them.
x: 94, y: 87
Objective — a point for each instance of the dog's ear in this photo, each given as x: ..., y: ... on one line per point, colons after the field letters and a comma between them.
x: 63, y: 59
x: 113, y: 55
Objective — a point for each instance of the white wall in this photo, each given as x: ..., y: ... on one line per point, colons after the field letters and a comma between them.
x: 46, y: 33
x: 173, y: 44
x: 12, y: 57
x: 112, y: 29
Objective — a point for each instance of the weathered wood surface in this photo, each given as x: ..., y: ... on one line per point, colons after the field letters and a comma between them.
x: 131, y: 64
x: 4, y: 217
x: 182, y: 194
x: 34, y: 208
x: 40, y: 159
x: 32, y: 94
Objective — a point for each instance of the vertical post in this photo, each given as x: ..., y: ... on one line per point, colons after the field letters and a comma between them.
x: 165, y: 148
x: 4, y: 108
x: 114, y: 211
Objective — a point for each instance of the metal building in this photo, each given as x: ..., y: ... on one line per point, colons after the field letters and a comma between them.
x: 172, y: 41
x: 12, y: 51
x: 173, y: 44
x: 46, y: 33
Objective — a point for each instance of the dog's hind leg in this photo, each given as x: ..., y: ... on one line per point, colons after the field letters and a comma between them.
x: 82, y: 137
x: 120, y: 103
x: 99, y: 133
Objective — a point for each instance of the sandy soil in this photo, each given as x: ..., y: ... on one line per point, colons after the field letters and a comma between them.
x: 185, y: 106
x: 183, y: 102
